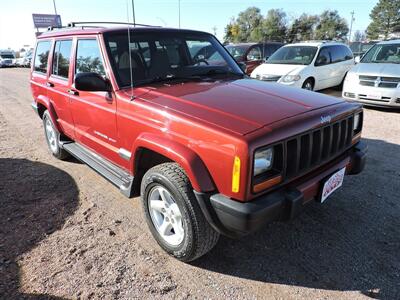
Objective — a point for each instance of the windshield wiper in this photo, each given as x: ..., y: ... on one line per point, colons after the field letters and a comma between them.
x: 219, y: 72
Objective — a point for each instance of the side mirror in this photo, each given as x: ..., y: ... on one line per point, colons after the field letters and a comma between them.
x: 242, y: 66
x: 91, y: 82
x: 357, y: 59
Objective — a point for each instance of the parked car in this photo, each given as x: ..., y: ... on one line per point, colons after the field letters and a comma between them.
x: 252, y: 54
x: 7, y: 58
x: 24, y: 61
x: 209, y: 150
x: 376, y: 79
x: 311, y: 65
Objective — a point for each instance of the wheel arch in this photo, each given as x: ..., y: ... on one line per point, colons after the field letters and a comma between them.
x: 43, y: 103
x: 152, y: 149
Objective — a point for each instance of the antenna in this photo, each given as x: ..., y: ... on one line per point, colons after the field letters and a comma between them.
x: 129, y: 50
x: 133, y: 13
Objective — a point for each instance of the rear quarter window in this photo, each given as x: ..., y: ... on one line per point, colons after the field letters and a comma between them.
x: 42, y: 56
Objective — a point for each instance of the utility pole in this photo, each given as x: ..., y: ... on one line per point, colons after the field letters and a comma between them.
x: 179, y: 13
x: 351, y: 25
x: 55, y: 9
x: 214, y: 30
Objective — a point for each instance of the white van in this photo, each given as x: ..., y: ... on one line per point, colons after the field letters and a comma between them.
x: 376, y: 79
x: 7, y: 58
x: 309, y: 65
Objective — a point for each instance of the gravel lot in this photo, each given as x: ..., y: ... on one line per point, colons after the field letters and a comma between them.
x: 65, y: 232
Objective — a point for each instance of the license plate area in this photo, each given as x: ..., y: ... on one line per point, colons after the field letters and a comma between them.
x: 331, y: 184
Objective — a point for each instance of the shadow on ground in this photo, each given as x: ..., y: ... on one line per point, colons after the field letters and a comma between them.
x: 35, y: 200
x: 350, y: 243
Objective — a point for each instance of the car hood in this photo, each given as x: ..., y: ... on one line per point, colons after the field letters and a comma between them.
x: 240, y: 106
x: 377, y: 69
x: 279, y: 69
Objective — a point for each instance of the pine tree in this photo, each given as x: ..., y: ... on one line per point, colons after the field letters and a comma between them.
x: 385, y: 17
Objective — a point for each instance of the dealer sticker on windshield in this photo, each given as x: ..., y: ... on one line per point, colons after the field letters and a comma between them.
x: 332, y: 184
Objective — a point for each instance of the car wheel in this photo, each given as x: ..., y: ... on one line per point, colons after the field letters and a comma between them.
x: 308, y: 84
x: 53, y: 137
x: 173, y: 214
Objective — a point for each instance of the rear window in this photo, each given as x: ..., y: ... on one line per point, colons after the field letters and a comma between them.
x: 62, y: 54
x: 41, y: 56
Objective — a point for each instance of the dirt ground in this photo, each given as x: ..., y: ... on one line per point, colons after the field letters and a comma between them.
x: 66, y: 233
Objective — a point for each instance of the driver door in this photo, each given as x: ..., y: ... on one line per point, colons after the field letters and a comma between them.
x: 94, y: 113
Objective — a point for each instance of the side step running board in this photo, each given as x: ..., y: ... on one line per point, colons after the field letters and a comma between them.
x: 108, y: 170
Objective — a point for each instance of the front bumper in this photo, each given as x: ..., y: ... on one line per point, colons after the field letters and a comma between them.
x: 235, y: 219
x: 383, y: 97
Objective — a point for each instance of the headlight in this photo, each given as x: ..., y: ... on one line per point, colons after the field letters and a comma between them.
x: 356, y: 122
x: 290, y: 78
x: 263, y: 161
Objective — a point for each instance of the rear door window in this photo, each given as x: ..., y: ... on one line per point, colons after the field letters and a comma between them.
x: 88, y: 57
x: 42, y: 56
x: 61, y: 58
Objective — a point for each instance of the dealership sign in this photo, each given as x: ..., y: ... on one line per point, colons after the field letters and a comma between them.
x: 44, y: 21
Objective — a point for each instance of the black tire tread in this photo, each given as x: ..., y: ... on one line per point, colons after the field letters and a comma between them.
x: 205, y: 237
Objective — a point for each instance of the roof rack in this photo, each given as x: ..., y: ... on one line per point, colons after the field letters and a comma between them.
x: 73, y: 24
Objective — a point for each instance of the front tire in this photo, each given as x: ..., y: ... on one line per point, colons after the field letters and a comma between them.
x: 173, y: 214
x: 308, y: 84
x: 53, y: 137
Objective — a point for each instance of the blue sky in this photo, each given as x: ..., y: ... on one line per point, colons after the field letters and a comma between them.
x: 16, y: 26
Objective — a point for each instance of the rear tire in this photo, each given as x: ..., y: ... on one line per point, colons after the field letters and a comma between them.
x: 53, y: 137
x: 308, y: 84
x: 177, y: 223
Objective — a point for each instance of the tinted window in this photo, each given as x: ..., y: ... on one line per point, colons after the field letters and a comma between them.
x: 88, y: 57
x: 324, y: 57
x: 41, y: 57
x: 62, y: 53
x: 347, y: 53
x: 269, y: 49
x: 340, y: 53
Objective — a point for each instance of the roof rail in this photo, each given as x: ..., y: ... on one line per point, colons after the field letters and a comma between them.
x: 73, y: 24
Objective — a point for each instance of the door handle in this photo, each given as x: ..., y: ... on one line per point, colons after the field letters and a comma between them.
x: 50, y: 84
x: 73, y: 92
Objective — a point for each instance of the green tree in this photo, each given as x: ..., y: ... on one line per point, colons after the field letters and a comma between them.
x: 385, y: 17
x: 359, y: 36
x: 331, y: 26
x: 303, y: 28
x: 274, y: 26
x: 241, y: 29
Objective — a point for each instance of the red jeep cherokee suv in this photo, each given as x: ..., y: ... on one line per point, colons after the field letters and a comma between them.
x: 209, y: 150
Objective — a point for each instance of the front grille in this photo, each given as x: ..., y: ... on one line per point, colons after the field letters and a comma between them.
x: 271, y: 78
x: 313, y: 148
x: 377, y: 81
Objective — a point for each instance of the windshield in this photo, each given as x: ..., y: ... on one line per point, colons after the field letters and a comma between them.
x: 293, y: 55
x: 385, y: 53
x: 162, y: 56
x: 236, y: 51
x: 7, y: 56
